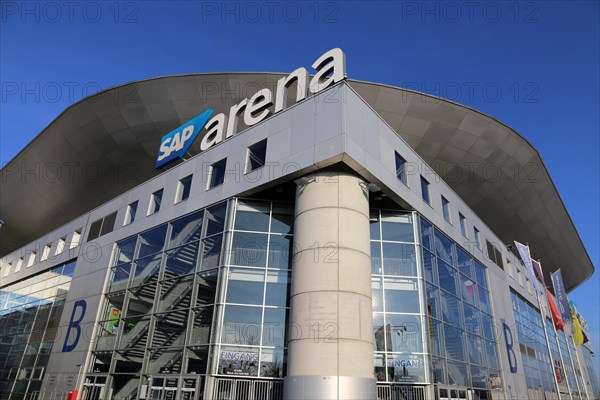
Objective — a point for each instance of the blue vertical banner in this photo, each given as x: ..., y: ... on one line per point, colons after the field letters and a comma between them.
x: 561, y: 298
x: 510, y: 344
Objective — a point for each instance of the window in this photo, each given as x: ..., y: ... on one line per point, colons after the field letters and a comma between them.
x: 75, y: 239
x: 183, y: 189
x: 401, y: 169
x: 216, y: 173
x: 60, y: 246
x: 256, y: 156
x: 425, y: 190
x: 494, y: 254
x: 19, y: 264
x: 463, y: 225
x: 7, y: 270
x: 446, y: 209
x: 130, y: 213
x: 477, y: 237
x: 509, y: 268
x: 101, y: 227
x: 46, y: 252
x: 31, y: 259
x: 155, y: 201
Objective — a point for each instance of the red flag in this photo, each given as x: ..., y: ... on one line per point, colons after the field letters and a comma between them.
x: 558, y: 322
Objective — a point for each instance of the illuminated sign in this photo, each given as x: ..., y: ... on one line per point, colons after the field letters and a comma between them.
x: 330, y: 68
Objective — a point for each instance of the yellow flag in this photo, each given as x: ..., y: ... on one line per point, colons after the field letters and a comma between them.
x: 577, y: 332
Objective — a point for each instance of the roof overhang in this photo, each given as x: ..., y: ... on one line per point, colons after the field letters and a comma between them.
x: 107, y: 143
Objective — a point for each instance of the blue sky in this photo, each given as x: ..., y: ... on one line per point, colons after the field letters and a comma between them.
x: 533, y: 65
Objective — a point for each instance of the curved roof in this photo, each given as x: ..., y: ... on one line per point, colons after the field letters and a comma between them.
x: 107, y: 143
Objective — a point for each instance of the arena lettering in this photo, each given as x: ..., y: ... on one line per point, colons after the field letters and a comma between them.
x: 330, y: 69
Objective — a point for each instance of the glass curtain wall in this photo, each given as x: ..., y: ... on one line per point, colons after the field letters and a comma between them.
x: 30, y: 313
x: 160, y: 302
x: 460, y: 326
x: 254, y: 305
x: 534, y: 350
x: 432, y: 319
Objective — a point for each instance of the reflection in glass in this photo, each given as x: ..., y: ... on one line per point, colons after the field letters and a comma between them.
x: 207, y: 288
x: 397, y: 227
x: 380, y: 367
x: 241, y: 325
x: 376, y: 258
x: 280, y: 251
x: 182, y: 260
x: 282, y: 220
x: 447, y: 277
x: 443, y: 247
x: 274, y: 327
x: 245, y: 286
x: 436, y: 341
x: 249, y: 249
x: 120, y: 276
x: 277, y: 288
x: 146, y: 269
x: 406, y: 368
x: 468, y: 289
x: 215, y: 217
x: 454, y: 342
x: 252, y: 216
x: 405, y: 333
x: 125, y: 250
x: 457, y: 373
x: 377, y: 293
x: 401, y: 295
x: 202, y: 325
x: 378, y: 332
x: 186, y: 229
x: 238, y: 361
x: 399, y: 259
x: 273, y: 363
x: 451, y: 308
x: 211, y: 252
x: 152, y: 241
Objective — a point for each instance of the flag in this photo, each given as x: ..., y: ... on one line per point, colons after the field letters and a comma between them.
x: 526, y: 257
x: 576, y: 317
x: 578, y: 336
x: 558, y: 322
x: 537, y: 266
x: 562, y: 299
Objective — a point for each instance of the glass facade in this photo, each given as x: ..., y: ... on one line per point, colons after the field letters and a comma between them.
x: 432, y: 319
x: 29, y: 318
x: 254, y: 305
x: 460, y: 325
x: 593, y: 386
x: 159, y: 307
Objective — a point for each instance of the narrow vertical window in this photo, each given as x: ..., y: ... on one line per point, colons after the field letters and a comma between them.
x: 256, y: 156
x: 46, y: 252
x: 31, y: 259
x: 183, y: 189
x: 7, y: 270
x: 463, y: 225
x: 401, y: 169
x: 19, y: 264
x: 75, y: 239
x: 155, y: 202
x: 216, y: 173
x: 130, y: 213
x: 60, y: 246
x: 477, y: 237
x: 446, y: 209
x: 425, y: 190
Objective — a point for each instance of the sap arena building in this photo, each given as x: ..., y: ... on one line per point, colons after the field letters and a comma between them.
x: 283, y: 236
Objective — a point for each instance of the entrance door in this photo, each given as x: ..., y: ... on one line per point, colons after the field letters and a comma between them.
x: 174, y: 388
x: 94, y: 388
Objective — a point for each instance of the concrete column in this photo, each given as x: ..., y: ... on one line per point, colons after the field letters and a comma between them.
x: 330, y: 352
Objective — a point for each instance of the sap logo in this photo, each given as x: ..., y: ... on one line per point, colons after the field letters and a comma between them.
x: 174, y: 144
x: 330, y: 68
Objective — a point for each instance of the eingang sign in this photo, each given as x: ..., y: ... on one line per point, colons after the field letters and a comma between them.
x: 330, y: 68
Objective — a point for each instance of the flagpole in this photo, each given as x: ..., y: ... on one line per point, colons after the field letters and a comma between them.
x: 580, y: 369
x: 543, y: 315
x: 572, y: 364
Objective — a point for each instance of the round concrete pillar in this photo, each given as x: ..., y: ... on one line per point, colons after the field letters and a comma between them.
x: 330, y: 351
